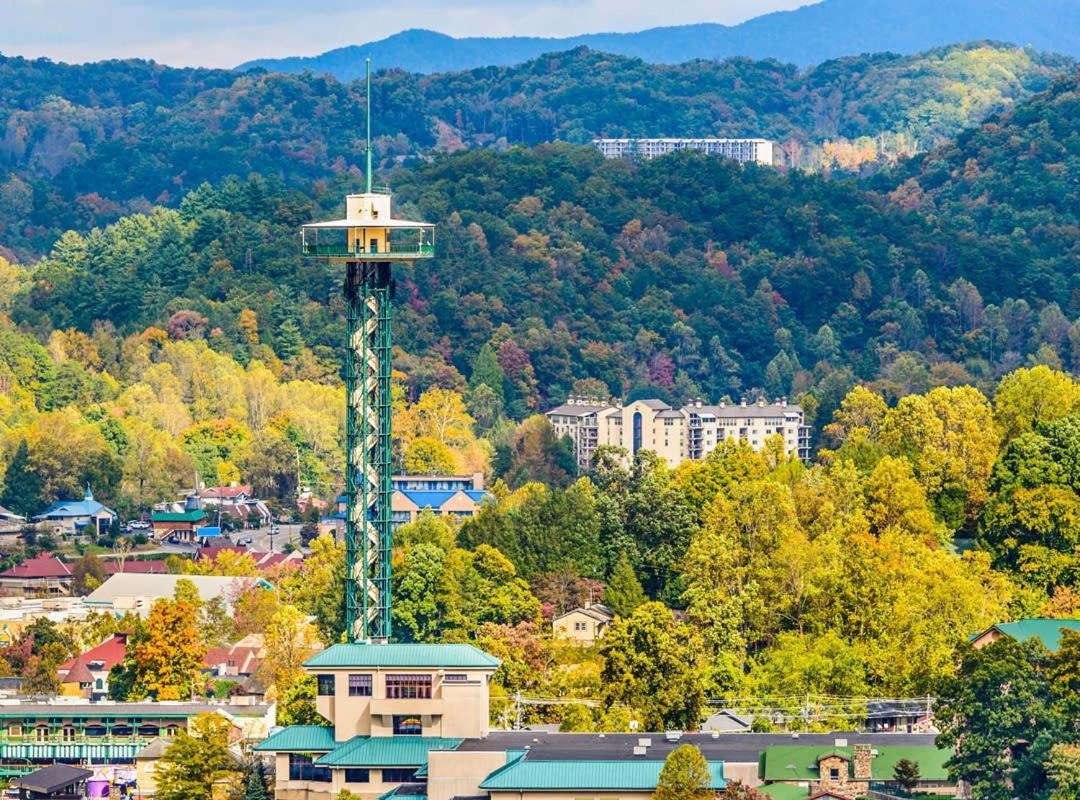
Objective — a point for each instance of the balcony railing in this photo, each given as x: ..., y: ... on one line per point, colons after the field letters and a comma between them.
x: 361, y: 254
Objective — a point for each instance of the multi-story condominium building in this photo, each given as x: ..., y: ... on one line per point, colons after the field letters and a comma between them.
x: 759, y: 151
x: 677, y: 435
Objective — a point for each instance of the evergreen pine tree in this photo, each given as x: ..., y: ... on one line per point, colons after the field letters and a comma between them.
x: 623, y: 592
x: 22, y: 486
x: 487, y: 371
x: 256, y: 787
x: 289, y: 340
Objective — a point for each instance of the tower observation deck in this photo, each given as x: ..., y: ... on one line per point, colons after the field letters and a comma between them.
x: 367, y: 242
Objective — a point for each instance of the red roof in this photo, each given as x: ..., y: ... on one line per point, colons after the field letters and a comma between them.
x: 225, y: 491
x: 262, y: 559
x: 244, y: 659
x: 110, y: 653
x: 44, y: 566
x: 79, y: 672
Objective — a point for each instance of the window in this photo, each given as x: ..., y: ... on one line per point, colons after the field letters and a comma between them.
x: 359, y: 686
x: 406, y: 725
x: 357, y: 776
x: 408, y: 687
x: 325, y: 685
x: 69, y: 734
x: 14, y: 730
x: 302, y: 769
x: 834, y: 774
x: 94, y: 730
x: 579, y: 626
x: 398, y: 775
x: 148, y: 730
x: 456, y: 677
x: 41, y: 734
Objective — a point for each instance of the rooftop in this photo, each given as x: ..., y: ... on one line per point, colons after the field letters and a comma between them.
x: 97, y: 710
x: 299, y: 739
x: 134, y: 585
x: 457, y: 656
x: 63, y: 509
x: 178, y: 516
x: 1047, y: 631
x: 48, y: 780
x: 386, y: 751
x: 45, y: 565
x: 799, y: 762
x: 529, y: 773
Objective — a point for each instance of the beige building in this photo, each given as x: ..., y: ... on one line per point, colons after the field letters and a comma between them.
x: 584, y: 626
x: 677, y: 435
x: 390, y: 706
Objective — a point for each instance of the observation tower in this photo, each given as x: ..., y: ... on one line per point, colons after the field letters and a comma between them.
x: 366, y: 243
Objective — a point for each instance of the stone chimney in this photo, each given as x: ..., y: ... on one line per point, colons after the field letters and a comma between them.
x: 864, y: 756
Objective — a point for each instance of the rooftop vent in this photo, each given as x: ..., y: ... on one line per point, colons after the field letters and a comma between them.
x: 841, y: 743
x: 639, y: 751
x: 644, y: 742
x: 673, y: 736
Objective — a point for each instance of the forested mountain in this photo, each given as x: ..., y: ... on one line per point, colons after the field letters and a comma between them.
x: 680, y: 276
x: 808, y: 35
x: 86, y: 144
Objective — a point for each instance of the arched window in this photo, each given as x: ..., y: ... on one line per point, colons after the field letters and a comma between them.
x: 637, y: 432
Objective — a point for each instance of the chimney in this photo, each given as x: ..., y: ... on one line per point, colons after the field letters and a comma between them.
x: 697, y: 403
x: 743, y: 403
x: 761, y: 402
x: 861, y: 763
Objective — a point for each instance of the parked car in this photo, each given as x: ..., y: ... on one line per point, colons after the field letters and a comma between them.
x: 244, y: 541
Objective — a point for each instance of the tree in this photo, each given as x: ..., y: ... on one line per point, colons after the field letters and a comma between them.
x: 737, y: 790
x: 623, y: 592
x: 1028, y: 398
x: 296, y: 704
x: 256, y: 786
x: 684, y: 776
x: 290, y: 641
x: 318, y: 587
x: 653, y: 664
x: 426, y: 455
x: 168, y: 661
x: 88, y: 574
x: 906, y: 774
x: 198, y: 761
x: 537, y: 454
x: 22, y: 485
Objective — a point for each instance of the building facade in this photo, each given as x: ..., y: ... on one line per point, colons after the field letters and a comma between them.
x: 758, y: 151
x: 677, y: 435
x: 585, y: 625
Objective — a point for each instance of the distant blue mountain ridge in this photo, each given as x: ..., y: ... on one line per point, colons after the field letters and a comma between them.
x: 806, y: 36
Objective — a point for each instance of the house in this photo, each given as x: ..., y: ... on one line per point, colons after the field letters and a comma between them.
x: 77, y: 681
x: 97, y: 661
x: 910, y: 716
x: 126, y: 592
x: 727, y: 721
x: 584, y: 626
x: 76, y: 517
x: 235, y: 502
x: 176, y: 526
x: 262, y: 559
x: 44, y: 575
x: 847, y: 771
x: 236, y: 661
x: 444, y: 495
x: 1047, y: 631
x: 9, y: 519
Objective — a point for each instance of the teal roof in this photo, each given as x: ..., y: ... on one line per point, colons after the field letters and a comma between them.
x: 300, y: 739
x: 525, y: 774
x: 792, y: 762
x: 386, y: 751
x: 399, y: 791
x: 1047, y: 631
x: 451, y: 656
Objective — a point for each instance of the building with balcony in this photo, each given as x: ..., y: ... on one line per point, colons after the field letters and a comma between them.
x: 103, y: 735
x: 676, y: 435
x: 758, y: 151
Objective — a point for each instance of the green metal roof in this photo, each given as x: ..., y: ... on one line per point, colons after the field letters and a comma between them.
x: 1047, y: 631
x: 525, y: 774
x: 386, y: 751
x: 300, y: 739
x: 800, y: 762
x: 451, y: 656
x: 183, y: 516
x: 784, y: 791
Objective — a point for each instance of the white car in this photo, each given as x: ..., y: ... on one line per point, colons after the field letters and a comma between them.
x: 244, y: 541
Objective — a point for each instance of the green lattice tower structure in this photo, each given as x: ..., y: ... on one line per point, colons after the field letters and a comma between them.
x: 367, y: 243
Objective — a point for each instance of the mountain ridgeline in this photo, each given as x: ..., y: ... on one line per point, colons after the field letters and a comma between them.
x: 87, y: 144
x: 809, y: 35
x: 681, y: 276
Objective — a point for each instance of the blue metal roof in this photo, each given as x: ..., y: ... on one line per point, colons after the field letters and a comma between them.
x: 86, y: 507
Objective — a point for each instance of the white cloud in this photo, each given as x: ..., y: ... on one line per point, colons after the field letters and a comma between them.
x: 200, y: 32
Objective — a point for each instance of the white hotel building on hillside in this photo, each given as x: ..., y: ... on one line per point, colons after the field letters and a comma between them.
x: 677, y: 435
x: 759, y: 151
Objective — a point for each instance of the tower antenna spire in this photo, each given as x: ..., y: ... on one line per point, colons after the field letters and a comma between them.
x: 367, y: 107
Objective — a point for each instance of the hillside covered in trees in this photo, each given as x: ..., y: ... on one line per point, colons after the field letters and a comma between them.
x: 84, y: 145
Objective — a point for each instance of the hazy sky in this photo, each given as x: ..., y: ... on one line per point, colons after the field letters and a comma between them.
x: 227, y: 32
